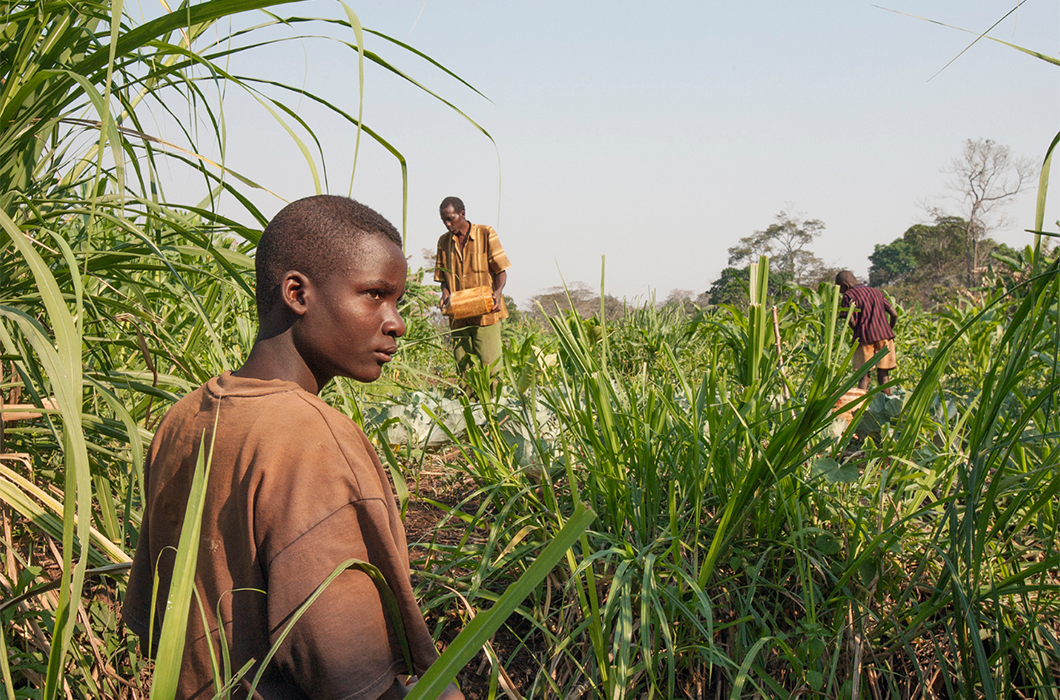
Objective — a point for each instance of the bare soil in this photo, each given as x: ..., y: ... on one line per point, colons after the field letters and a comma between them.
x: 440, y: 481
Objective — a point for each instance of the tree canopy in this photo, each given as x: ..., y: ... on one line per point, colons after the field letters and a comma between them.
x: 733, y: 283
x: 786, y: 243
x: 927, y: 261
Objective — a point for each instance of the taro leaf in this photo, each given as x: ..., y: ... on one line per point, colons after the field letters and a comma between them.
x: 885, y: 407
x: 871, y: 423
x: 867, y: 570
x: 828, y: 545
x: 893, y: 407
x: 834, y: 472
x: 520, y: 444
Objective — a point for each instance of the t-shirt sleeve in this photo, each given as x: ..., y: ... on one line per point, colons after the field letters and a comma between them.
x: 498, y: 259
x: 344, y: 645
x: 327, y: 504
x: 136, y: 609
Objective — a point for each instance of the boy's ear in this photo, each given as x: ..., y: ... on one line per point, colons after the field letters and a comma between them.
x: 295, y: 289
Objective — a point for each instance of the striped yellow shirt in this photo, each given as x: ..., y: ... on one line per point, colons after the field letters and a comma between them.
x: 474, y: 265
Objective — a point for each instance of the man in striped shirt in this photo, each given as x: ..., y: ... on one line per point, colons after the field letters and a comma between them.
x: 470, y: 255
x: 873, y: 320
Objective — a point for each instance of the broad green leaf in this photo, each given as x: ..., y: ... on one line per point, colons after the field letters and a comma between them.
x: 833, y: 472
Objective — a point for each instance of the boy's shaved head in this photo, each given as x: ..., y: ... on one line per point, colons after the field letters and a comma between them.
x: 315, y: 236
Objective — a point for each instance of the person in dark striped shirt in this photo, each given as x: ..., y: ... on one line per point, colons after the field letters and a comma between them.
x: 873, y: 319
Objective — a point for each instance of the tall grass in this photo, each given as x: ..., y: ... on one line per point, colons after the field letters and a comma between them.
x: 746, y: 542
x: 749, y: 544
x: 114, y: 299
x: 752, y: 544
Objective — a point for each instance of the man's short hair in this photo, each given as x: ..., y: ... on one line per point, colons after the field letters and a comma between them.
x: 454, y: 202
x: 846, y: 278
x: 315, y: 236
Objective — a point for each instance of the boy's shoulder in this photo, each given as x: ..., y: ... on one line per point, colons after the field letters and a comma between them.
x: 269, y: 423
x: 245, y: 402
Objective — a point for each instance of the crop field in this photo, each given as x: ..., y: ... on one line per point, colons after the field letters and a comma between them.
x: 664, y: 498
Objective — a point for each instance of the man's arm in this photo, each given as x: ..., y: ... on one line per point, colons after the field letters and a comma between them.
x: 852, y: 310
x: 344, y: 643
x: 892, y: 316
x: 499, y: 280
x: 445, y: 295
x: 498, y: 265
x: 439, y: 273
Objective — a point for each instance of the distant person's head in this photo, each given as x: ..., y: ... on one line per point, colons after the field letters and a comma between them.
x: 331, y: 271
x: 455, y: 202
x: 846, y: 280
x: 452, y: 212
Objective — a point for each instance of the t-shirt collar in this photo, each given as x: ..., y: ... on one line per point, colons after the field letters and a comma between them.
x: 228, y: 384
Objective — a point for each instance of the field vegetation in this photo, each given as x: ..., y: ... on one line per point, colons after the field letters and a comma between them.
x: 745, y: 540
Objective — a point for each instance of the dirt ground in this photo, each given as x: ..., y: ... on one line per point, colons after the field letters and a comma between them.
x: 445, y: 484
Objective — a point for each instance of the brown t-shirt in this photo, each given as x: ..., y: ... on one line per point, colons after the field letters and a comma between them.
x: 295, y: 489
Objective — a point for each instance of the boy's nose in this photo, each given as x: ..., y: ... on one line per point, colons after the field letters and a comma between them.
x: 394, y: 325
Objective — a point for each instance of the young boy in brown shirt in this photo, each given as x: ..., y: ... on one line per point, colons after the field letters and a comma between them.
x: 295, y: 487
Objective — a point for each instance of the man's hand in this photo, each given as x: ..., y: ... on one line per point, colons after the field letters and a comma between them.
x: 496, y: 306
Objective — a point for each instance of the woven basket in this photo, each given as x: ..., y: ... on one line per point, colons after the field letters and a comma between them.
x: 468, y: 303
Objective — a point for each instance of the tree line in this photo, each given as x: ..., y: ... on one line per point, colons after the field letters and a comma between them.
x: 928, y: 264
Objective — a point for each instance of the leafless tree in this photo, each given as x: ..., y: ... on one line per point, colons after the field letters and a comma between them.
x: 985, y: 177
x: 679, y: 295
x: 577, y: 296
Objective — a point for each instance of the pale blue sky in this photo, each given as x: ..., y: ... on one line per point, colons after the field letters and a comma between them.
x: 660, y: 133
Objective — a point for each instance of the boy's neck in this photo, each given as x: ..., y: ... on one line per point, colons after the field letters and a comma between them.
x: 275, y: 357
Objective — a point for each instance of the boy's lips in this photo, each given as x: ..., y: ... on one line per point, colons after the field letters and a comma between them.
x: 387, y: 354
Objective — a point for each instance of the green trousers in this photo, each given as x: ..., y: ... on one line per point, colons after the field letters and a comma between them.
x: 482, y: 341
